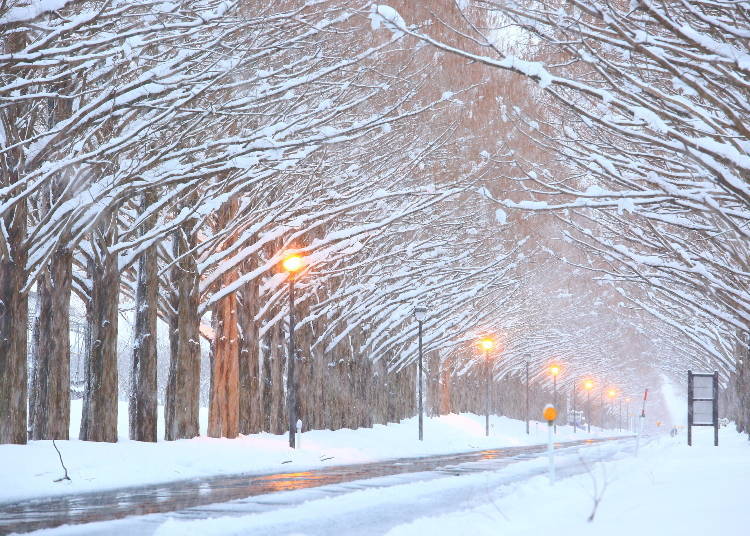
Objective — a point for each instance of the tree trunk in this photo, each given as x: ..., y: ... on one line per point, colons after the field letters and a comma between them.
x: 266, y: 383
x: 224, y: 397
x: 13, y: 329
x: 99, y: 419
x: 50, y: 408
x: 223, y: 406
x: 278, y: 400
x: 142, y: 408
x: 445, y: 390
x: 13, y: 258
x: 249, y: 345
x: 432, y: 382
x: 183, y: 385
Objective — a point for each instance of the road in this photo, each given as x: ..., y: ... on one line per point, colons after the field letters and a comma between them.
x: 286, y: 501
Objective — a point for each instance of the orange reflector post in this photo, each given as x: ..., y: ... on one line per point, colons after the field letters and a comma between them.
x: 550, y: 413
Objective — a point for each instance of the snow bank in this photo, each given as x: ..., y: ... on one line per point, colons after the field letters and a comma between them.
x: 30, y: 470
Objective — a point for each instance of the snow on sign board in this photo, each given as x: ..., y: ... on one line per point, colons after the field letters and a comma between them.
x: 703, y: 412
x: 703, y: 387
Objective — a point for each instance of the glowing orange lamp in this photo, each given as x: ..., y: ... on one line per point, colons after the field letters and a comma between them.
x: 293, y: 263
x: 486, y: 344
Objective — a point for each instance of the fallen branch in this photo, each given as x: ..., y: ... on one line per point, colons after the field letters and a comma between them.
x: 66, y: 477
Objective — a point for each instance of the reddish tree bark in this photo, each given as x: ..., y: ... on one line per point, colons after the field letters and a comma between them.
x: 223, y: 410
x: 224, y: 396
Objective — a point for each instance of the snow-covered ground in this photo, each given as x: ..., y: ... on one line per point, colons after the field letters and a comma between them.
x: 669, y: 489
x: 30, y: 470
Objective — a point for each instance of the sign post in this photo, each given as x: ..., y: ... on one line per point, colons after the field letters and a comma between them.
x: 703, y: 403
x: 550, y: 414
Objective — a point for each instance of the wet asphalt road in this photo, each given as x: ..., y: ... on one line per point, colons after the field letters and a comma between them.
x: 190, y: 498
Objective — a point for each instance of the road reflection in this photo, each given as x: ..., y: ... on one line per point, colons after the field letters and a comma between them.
x: 89, y: 507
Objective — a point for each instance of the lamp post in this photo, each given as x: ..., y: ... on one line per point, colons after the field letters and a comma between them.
x: 575, y: 415
x: 487, y: 344
x: 292, y: 264
x: 527, y: 398
x: 627, y: 413
x: 612, y: 394
x: 554, y: 370
x: 588, y: 385
x: 420, y: 312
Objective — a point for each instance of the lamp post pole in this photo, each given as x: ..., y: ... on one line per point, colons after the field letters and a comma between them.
x: 554, y: 400
x: 619, y: 418
x: 487, y: 393
x: 627, y: 414
x: 601, y: 409
x: 290, y: 383
x: 554, y: 370
x: 420, y: 313
x: 527, y: 398
x: 588, y: 409
x: 292, y: 264
x: 421, y: 408
x: 575, y: 415
x: 487, y: 344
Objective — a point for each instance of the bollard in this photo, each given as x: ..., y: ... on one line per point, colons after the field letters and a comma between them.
x: 299, y: 433
x: 550, y: 414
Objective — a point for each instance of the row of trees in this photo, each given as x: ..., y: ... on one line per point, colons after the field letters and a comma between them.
x: 652, y: 129
x: 164, y: 157
x: 169, y: 155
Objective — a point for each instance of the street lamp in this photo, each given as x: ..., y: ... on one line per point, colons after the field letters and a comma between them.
x: 554, y: 370
x: 588, y: 385
x: 420, y: 313
x: 487, y: 344
x: 292, y: 264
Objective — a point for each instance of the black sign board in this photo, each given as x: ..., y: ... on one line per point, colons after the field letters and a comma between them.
x: 703, y: 403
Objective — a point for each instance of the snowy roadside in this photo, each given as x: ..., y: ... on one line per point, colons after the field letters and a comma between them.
x: 669, y: 489
x: 29, y: 471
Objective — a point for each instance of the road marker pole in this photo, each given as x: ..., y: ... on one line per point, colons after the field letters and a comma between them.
x: 550, y: 414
